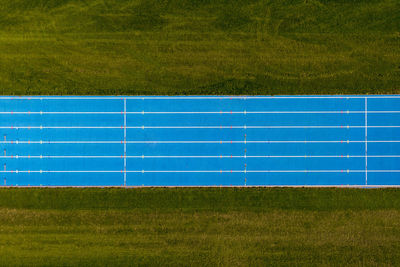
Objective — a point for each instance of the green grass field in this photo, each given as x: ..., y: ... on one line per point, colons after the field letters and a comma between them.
x: 200, y: 227
x: 199, y: 47
x: 170, y: 47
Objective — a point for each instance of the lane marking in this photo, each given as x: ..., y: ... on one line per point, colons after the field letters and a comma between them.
x: 245, y: 141
x: 207, y: 127
x: 190, y: 112
x: 189, y: 156
x: 199, y: 171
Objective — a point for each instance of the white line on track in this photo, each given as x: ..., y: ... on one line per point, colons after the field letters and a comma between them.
x: 188, y: 112
x: 189, y: 156
x: 199, y: 171
x: 203, y: 142
x: 203, y: 127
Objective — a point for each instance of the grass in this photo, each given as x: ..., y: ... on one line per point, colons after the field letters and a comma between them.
x: 170, y: 47
x: 199, y: 227
x: 183, y: 47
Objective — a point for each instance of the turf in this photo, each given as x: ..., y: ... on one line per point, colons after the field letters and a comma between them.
x: 199, y: 227
x: 194, y: 47
x: 169, y: 47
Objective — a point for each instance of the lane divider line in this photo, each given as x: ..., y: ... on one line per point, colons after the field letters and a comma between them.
x: 199, y: 171
x: 41, y: 127
x: 191, y: 112
x: 245, y: 141
x: 194, y: 156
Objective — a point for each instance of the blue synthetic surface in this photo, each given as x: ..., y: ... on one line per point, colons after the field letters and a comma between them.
x: 200, y: 141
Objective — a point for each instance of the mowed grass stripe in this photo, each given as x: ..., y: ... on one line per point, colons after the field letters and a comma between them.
x: 199, y: 226
x: 199, y: 47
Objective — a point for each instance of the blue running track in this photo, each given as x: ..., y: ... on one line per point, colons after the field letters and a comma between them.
x: 200, y: 141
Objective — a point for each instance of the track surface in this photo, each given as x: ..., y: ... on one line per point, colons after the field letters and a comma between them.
x: 200, y: 141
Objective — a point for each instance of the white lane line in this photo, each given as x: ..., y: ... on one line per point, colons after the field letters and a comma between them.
x: 264, y: 127
x: 204, y: 127
x: 200, y: 171
x: 188, y: 112
x: 197, y: 156
x: 202, y: 142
